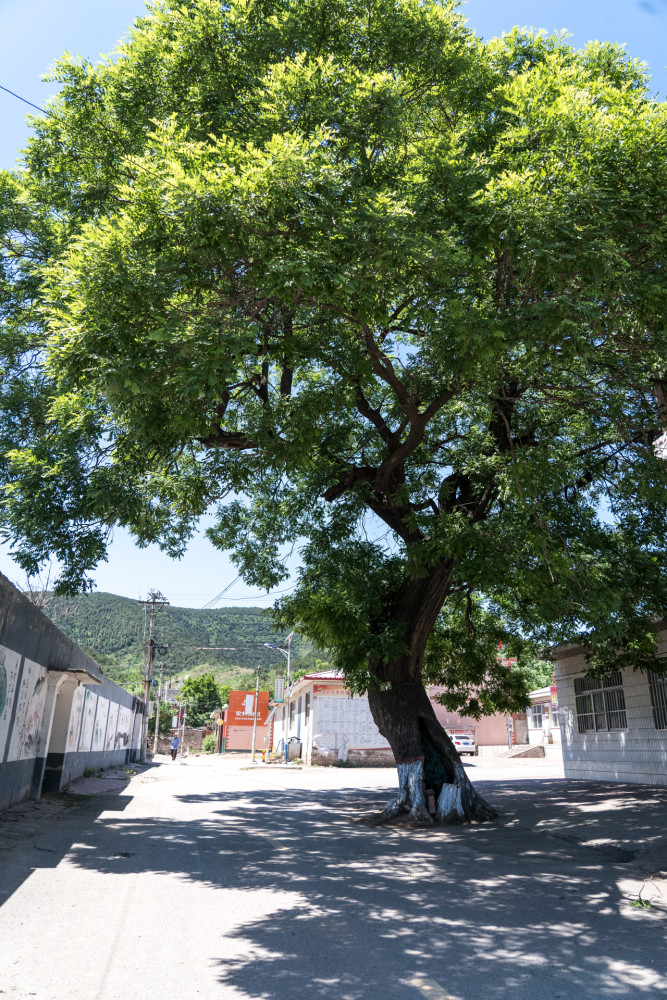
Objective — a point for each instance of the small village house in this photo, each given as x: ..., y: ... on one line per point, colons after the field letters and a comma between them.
x: 613, y: 729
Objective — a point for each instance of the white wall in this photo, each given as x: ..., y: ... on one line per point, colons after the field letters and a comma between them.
x: 636, y: 754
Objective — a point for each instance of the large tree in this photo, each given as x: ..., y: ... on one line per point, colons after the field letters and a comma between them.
x: 353, y: 279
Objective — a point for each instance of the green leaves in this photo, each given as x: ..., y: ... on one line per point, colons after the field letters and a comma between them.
x: 365, y: 286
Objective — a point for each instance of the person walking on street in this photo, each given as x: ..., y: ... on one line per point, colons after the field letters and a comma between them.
x: 174, y: 746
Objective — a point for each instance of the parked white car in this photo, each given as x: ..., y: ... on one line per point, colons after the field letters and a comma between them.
x: 464, y: 743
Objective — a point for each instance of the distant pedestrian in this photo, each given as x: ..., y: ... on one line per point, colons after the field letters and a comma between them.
x: 174, y: 746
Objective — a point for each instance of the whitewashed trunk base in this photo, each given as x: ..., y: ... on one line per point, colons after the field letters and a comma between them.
x: 411, y: 796
x: 450, y: 805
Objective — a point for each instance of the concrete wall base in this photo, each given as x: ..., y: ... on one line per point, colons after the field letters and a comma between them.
x: 358, y: 758
x: 532, y: 751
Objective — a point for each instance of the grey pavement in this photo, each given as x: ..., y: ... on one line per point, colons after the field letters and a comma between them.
x: 207, y: 879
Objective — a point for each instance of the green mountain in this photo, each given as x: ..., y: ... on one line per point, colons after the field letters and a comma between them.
x: 114, y: 631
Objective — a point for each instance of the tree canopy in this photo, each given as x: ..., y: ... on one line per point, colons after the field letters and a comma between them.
x: 202, y: 696
x: 355, y: 280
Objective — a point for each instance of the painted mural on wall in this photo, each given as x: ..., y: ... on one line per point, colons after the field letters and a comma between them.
x: 99, y: 732
x: 88, y: 722
x: 29, y: 699
x: 3, y: 684
x: 75, y: 720
x: 112, y: 727
x: 138, y: 728
x: 11, y: 667
x: 124, y: 731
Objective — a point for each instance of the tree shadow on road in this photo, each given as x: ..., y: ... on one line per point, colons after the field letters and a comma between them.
x: 317, y: 905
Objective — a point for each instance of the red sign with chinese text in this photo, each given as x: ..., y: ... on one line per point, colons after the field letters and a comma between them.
x: 242, y: 708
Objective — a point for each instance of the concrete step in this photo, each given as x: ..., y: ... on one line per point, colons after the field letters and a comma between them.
x: 553, y: 751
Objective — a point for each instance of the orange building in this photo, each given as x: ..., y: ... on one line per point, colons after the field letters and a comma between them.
x: 239, y: 721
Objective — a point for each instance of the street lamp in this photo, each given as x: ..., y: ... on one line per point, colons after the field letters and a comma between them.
x: 287, y: 653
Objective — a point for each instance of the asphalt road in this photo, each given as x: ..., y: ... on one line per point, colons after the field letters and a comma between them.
x: 203, y: 880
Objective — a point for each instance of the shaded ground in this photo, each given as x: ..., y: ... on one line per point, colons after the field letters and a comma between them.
x: 202, y: 880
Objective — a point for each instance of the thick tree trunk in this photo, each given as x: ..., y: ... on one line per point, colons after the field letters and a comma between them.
x: 425, y: 757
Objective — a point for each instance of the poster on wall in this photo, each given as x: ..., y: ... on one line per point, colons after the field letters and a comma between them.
x: 339, y: 718
x: 112, y: 725
x: 88, y: 722
x: 100, y: 728
x: 74, y: 727
x: 124, y: 731
x: 29, y: 708
x: 10, y: 664
x: 138, y: 728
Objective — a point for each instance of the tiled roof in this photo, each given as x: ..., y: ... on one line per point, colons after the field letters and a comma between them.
x: 324, y: 675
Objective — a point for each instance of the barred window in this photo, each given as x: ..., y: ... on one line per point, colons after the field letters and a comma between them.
x: 658, y: 687
x: 600, y: 704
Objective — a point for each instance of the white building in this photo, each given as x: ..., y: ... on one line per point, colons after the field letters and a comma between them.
x: 543, y: 716
x: 331, y: 723
x: 614, y: 729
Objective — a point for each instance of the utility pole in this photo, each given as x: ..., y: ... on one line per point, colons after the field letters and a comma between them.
x: 157, y: 710
x: 254, y: 721
x: 185, y: 709
x: 288, y: 656
x: 154, y: 597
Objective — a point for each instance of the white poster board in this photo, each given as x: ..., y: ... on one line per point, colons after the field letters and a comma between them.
x: 100, y: 728
x: 88, y: 722
x: 340, y: 718
x: 30, y: 700
x: 112, y: 726
x: 10, y: 663
x: 74, y: 727
x: 124, y: 731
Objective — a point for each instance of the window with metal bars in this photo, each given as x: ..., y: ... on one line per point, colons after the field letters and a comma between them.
x: 600, y: 704
x: 658, y: 687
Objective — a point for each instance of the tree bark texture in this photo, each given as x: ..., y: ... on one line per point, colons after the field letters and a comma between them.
x: 425, y: 757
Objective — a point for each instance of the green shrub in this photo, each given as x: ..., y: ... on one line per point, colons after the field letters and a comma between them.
x: 208, y: 743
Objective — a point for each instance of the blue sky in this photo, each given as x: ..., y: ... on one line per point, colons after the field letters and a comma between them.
x: 34, y: 33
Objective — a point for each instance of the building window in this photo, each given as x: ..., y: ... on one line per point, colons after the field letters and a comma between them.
x: 657, y: 684
x: 536, y: 717
x: 307, y: 712
x: 291, y: 714
x: 600, y: 704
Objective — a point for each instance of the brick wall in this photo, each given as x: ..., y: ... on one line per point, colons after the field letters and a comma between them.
x: 240, y: 737
x: 490, y: 730
x: 193, y: 740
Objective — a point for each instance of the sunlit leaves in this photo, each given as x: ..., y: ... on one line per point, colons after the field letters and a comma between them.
x: 363, y: 285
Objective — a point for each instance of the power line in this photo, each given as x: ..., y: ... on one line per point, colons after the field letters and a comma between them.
x: 259, y: 597
x: 209, y: 604
x: 102, y: 125
x: 18, y: 97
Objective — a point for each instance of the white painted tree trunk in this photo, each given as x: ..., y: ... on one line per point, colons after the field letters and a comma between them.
x: 411, y: 796
x: 450, y: 805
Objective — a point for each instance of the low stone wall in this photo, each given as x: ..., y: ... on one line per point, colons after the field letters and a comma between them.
x: 357, y: 758
x: 529, y: 751
x: 193, y: 740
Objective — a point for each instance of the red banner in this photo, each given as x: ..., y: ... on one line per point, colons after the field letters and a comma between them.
x: 242, y: 708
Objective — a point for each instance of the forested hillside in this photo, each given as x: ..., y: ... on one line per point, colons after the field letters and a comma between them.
x: 114, y: 629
